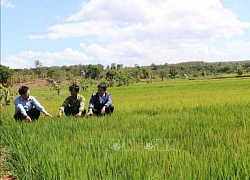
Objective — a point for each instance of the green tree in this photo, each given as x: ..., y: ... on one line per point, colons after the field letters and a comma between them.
x: 113, y: 66
x: 136, y: 73
x: 248, y: 70
x: 225, y: 69
x: 62, y: 76
x: 239, y: 71
x: 84, y: 84
x: 38, y: 66
x: 145, y: 73
x: 5, y: 93
x: 247, y: 65
x: 124, y: 77
x: 172, y: 72
x: 154, y: 67
x: 93, y: 71
x: 57, y: 87
x: 69, y: 76
x: 54, y: 72
x: 110, y: 75
x: 5, y: 74
x: 163, y: 74
x: 204, y: 73
x: 119, y: 66
x: 37, y: 63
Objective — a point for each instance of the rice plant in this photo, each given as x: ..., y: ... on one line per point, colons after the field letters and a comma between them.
x: 176, y: 129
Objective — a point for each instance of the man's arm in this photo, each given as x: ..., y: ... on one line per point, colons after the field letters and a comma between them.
x: 40, y: 107
x: 61, y: 109
x: 82, y: 104
x: 19, y: 108
x: 91, y: 104
x: 108, y: 101
x: 92, y: 100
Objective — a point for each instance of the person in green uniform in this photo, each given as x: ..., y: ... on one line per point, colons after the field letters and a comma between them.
x: 73, y: 104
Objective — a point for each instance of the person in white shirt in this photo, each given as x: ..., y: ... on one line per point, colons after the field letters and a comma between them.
x: 27, y: 107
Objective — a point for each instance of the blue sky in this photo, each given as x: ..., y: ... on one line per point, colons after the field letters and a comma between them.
x: 127, y: 32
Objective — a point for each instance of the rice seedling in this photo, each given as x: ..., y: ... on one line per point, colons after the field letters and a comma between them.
x: 176, y: 129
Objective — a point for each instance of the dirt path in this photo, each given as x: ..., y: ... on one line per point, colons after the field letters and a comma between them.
x: 3, y: 174
x: 32, y: 85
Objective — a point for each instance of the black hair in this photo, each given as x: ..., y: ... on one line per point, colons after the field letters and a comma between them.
x: 103, y: 86
x: 23, y: 90
x: 75, y: 87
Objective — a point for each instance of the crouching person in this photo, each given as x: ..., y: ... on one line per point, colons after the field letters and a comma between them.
x: 27, y: 107
x: 100, y: 102
x: 73, y: 104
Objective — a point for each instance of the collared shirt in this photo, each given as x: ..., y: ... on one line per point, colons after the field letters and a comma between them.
x: 22, y: 105
x: 98, y: 102
x: 102, y: 98
x: 77, y: 104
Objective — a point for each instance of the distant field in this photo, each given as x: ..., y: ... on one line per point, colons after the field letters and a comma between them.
x: 176, y: 129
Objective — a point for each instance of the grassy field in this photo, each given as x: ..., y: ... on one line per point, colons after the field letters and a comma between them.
x: 176, y: 129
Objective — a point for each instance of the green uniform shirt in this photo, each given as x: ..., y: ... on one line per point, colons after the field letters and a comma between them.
x: 76, y: 104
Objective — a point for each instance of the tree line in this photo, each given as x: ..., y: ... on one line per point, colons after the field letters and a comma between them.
x: 116, y: 74
x: 119, y: 75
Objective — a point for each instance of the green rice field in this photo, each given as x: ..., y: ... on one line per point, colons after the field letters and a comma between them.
x: 175, y: 129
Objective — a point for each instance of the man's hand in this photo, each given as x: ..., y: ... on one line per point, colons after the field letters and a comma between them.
x: 102, y: 111
x: 59, y: 113
x: 90, y: 112
x: 79, y: 114
x: 47, y: 114
x: 28, y: 119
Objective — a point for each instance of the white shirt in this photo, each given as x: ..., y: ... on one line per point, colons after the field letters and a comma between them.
x: 102, y: 98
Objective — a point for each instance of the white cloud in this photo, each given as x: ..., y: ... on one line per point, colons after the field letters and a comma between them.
x: 150, y: 31
x: 151, y: 19
x: 36, y: 36
x: 233, y: 51
x: 73, y: 30
x: 239, y: 46
x: 7, y: 4
x: 25, y: 59
x: 58, y: 17
x: 145, y: 53
x: 238, y: 49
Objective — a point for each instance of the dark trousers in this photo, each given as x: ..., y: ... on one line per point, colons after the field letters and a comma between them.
x: 33, y: 114
x: 70, y: 111
x: 108, y: 110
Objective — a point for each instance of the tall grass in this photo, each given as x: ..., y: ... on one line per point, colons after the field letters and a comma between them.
x: 175, y: 129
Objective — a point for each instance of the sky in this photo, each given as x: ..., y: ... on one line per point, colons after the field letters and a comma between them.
x: 128, y: 32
